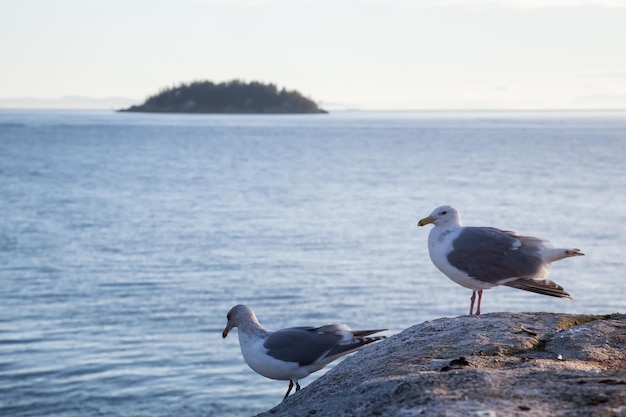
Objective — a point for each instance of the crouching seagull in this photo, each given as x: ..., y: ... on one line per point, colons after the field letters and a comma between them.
x: 294, y: 353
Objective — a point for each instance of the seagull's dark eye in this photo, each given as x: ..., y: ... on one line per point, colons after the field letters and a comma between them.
x: 444, y: 212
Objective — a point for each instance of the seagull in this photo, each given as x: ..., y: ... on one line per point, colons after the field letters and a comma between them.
x: 480, y: 258
x: 293, y: 353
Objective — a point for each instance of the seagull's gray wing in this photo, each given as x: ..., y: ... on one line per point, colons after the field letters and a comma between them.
x: 493, y: 255
x: 300, y: 344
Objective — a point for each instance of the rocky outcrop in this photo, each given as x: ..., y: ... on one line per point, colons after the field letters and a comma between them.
x: 501, y: 364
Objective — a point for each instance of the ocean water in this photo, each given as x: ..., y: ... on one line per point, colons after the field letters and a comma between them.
x: 126, y: 238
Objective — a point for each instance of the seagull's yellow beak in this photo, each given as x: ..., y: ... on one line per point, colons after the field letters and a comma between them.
x: 425, y: 221
x: 227, y: 330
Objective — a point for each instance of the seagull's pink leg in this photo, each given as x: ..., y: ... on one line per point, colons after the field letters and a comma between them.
x: 472, y: 302
x: 480, y: 298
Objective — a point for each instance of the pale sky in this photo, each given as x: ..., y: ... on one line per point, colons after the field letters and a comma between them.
x: 366, y: 54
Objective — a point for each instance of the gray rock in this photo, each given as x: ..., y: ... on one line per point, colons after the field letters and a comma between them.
x: 501, y: 364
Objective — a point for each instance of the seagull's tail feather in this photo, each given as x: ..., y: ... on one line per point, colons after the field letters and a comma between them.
x: 540, y: 287
x: 362, y: 333
x: 553, y: 255
x: 357, y: 343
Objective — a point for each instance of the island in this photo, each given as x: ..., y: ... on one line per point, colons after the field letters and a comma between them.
x: 234, y: 96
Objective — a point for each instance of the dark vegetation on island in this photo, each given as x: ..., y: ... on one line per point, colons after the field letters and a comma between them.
x: 228, y: 97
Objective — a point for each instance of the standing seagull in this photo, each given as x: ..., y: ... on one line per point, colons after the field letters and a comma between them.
x: 480, y: 258
x: 293, y: 353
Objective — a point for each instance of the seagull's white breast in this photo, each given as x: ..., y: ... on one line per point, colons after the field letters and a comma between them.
x: 257, y: 358
x: 439, y: 247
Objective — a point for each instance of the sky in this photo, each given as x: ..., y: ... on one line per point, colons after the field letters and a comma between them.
x: 344, y: 54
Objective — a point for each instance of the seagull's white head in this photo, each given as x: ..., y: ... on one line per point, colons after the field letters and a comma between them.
x: 442, y: 216
x: 237, y: 316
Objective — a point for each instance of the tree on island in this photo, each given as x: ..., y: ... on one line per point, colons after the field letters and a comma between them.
x: 228, y: 97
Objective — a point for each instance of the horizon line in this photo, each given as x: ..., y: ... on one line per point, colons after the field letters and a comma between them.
x: 348, y: 110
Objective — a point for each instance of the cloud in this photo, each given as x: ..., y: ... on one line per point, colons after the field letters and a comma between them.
x: 609, y: 101
x: 516, y: 4
x: 603, y: 74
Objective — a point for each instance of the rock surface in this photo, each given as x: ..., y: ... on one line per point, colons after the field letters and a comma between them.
x: 501, y: 364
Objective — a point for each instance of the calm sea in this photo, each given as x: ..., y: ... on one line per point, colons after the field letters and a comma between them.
x: 126, y: 238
